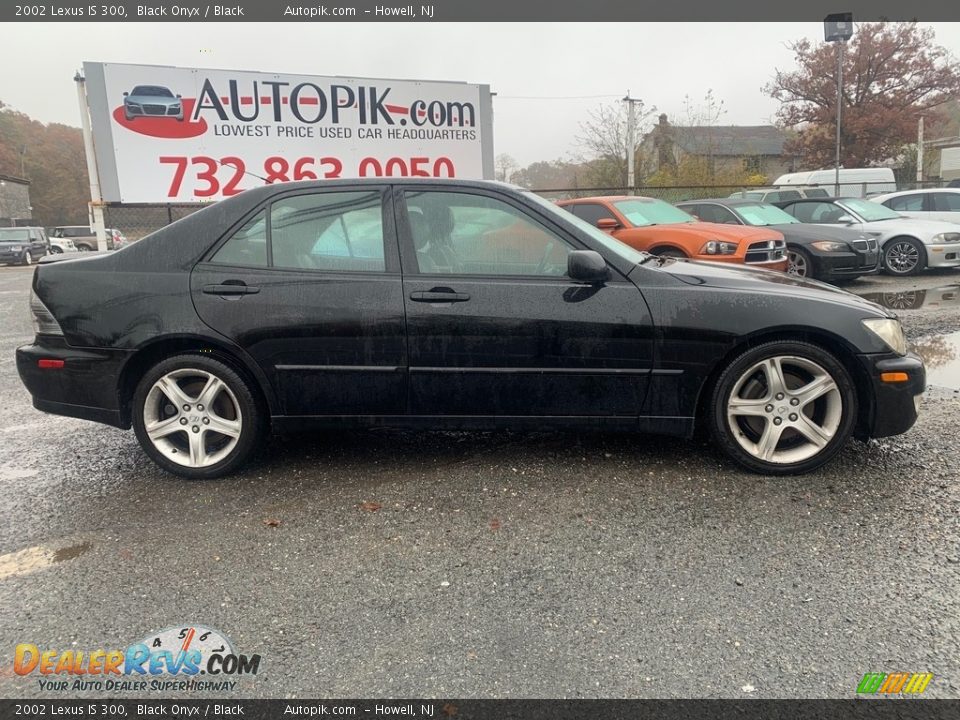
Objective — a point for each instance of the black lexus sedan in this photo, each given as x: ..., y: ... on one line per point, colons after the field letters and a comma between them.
x: 450, y: 304
x: 821, y: 252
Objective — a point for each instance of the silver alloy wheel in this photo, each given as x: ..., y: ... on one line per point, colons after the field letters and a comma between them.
x: 784, y: 409
x: 192, y: 417
x: 796, y: 264
x: 27, y: 258
x: 902, y: 257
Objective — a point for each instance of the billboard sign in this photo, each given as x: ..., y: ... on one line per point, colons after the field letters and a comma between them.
x: 171, y: 135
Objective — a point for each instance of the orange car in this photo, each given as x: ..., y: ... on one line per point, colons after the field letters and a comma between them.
x: 658, y: 227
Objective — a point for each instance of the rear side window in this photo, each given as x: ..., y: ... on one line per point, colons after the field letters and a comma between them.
x: 905, y: 203
x: 335, y: 232
x: 329, y: 231
x: 716, y: 214
x: 248, y: 245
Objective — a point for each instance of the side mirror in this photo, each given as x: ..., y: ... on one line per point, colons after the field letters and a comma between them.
x: 607, y: 224
x: 846, y: 220
x: 587, y: 266
x: 125, y: 94
x: 178, y: 96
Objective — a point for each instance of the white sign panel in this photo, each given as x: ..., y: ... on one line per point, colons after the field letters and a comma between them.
x: 169, y: 134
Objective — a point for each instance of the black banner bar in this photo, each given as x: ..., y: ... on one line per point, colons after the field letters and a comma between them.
x: 446, y: 709
x: 337, y: 11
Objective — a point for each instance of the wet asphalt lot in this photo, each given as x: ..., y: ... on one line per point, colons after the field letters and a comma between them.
x: 388, y: 563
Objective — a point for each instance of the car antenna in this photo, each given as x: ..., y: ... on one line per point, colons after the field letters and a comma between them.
x: 243, y: 170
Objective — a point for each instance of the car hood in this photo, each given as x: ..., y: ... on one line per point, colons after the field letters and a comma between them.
x: 704, y: 231
x: 812, y: 232
x: 747, y: 279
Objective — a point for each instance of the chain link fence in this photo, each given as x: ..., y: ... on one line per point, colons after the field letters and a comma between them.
x: 137, y: 220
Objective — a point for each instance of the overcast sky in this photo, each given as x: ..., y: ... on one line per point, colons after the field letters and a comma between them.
x: 659, y: 63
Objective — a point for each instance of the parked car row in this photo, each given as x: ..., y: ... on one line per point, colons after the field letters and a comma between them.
x: 25, y: 245
x: 85, y: 237
x: 805, y: 232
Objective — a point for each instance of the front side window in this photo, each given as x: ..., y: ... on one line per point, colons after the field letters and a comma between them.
x: 716, y: 214
x: 817, y: 212
x: 946, y: 202
x: 869, y: 210
x: 591, y: 212
x: 464, y: 234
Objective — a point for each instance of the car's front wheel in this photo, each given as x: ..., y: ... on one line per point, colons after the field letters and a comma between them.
x: 27, y: 258
x: 783, y: 408
x: 799, y: 263
x: 196, y: 417
x: 904, y: 256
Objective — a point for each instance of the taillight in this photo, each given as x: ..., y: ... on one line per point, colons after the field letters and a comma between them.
x: 44, y: 323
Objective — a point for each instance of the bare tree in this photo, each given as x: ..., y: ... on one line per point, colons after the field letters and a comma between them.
x: 603, y: 140
x: 505, y: 165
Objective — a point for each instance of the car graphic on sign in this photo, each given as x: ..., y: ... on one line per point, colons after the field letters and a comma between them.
x: 152, y: 101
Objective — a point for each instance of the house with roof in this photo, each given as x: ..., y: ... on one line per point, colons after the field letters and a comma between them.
x: 726, y: 150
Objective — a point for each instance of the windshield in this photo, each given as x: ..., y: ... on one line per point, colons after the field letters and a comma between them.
x: 869, y: 210
x: 612, y: 244
x: 763, y: 214
x: 641, y: 212
x: 8, y: 234
x: 151, y: 90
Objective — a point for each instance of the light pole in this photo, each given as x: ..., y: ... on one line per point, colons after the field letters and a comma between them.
x: 838, y: 28
x: 631, y: 140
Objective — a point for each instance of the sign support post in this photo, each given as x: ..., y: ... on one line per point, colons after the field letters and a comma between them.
x: 96, y: 200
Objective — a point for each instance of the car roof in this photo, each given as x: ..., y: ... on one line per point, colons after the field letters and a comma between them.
x: 921, y: 191
x: 726, y: 201
x: 605, y: 198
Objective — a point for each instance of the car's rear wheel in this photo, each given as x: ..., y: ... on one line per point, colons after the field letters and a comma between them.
x: 799, y: 263
x: 783, y: 408
x: 84, y: 248
x: 904, y: 256
x: 196, y: 417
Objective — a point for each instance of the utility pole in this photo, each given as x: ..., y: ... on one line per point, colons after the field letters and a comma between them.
x: 631, y: 141
x: 920, y: 153
x: 839, y: 113
x: 838, y: 28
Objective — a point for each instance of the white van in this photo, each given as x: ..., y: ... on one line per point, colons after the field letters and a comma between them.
x: 854, y: 182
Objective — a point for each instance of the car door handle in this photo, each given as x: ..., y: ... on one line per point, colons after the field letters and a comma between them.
x: 438, y: 296
x: 231, y: 289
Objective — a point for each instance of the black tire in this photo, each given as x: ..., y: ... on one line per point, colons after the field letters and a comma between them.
x: 801, y: 265
x: 669, y: 253
x: 84, y: 248
x: 253, y: 417
x: 724, y: 435
x: 895, y: 250
x: 54, y: 250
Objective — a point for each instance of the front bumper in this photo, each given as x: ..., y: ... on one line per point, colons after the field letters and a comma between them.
x: 893, y: 406
x: 780, y: 264
x: 844, y: 264
x: 943, y: 255
x: 12, y: 256
x: 85, y: 387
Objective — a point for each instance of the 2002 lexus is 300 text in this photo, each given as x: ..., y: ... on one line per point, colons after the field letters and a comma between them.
x: 450, y: 304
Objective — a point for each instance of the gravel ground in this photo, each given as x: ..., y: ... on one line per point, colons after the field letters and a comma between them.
x: 388, y: 563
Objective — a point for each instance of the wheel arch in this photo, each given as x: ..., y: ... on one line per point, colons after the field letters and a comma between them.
x: 153, y: 352
x: 661, y: 246
x: 836, y: 345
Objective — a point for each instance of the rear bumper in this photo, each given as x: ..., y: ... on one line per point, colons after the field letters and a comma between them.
x: 85, y: 387
x: 894, y: 404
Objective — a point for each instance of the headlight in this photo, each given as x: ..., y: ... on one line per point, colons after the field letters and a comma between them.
x: 949, y: 237
x: 716, y: 247
x: 828, y: 246
x: 44, y: 323
x: 890, y: 331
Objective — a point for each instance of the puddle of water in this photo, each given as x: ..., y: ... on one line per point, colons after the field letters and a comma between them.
x: 931, y: 299
x: 941, y: 355
x: 71, y: 552
x: 29, y: 560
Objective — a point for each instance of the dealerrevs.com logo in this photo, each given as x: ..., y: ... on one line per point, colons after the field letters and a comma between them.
x: 188, y: 657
